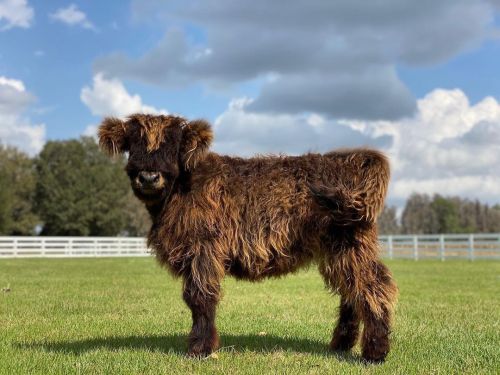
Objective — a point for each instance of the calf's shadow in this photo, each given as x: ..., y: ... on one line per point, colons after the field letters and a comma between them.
x: 176, y: 344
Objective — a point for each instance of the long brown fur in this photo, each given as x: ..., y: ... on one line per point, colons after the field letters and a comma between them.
x: 254, y: 218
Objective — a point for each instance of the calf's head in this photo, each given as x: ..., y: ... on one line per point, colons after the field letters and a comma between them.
x: 159, y: 149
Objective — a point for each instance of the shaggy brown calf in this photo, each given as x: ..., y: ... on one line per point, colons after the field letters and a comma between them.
x: 265, y: 216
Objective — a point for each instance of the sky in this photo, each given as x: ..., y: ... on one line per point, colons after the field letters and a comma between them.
x: 419, y: 80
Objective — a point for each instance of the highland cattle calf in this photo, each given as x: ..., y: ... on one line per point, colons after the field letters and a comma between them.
x: 260, y: 217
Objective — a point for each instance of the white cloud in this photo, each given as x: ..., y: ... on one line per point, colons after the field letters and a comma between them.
x: 14, y: 83
x: 15, y: 128
x: 449, y: 147
x: 90, y: 131
x: 468, y: 186
x: 337, y: 58
x: 15, y: 13
x: 111, y: 98
x: 73, y: 16
x: 243, y: 132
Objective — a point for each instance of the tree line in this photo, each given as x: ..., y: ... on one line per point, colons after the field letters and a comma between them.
x: 72, y: 189
x: 424, y: 214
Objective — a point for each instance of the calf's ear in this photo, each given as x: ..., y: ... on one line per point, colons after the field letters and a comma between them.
x: 197, y: 136
x: 112, y: 135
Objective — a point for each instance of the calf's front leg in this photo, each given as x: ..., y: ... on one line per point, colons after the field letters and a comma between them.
x: 202, y: 300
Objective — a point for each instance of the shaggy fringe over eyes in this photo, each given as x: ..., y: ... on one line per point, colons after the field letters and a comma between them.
x: 112, y: 136
x: 153, y: 128
x: 197, y: 135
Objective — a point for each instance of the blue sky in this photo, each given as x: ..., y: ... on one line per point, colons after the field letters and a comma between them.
x: 417, y: 79
x: 55, y: 60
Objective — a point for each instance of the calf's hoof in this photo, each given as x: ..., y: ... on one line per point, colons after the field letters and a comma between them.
x: 375, y: 351
x: 202, y: 348
x: 343, y: 342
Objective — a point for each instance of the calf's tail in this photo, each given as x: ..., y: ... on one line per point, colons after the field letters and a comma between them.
x: 357, y: 196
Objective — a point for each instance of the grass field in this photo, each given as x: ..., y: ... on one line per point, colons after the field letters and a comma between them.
x: 126, y: 316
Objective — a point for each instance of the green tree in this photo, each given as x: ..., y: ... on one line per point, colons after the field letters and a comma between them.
x: 80, y: 191
x: 138, y: 221
x: 17, y: 189
x: 470, y: 214
x: 387, y: 221
x: 447, y: 215
x: 418, y: 216
x: 5, y: 203
x: 487, y: 218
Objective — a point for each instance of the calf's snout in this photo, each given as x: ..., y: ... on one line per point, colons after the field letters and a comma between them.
x: 148, y: 178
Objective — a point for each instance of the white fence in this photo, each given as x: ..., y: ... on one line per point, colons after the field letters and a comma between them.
x: 68, y: 247
x: 440, y: 246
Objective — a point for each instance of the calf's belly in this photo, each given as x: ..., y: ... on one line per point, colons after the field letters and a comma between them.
x: 276, y: 264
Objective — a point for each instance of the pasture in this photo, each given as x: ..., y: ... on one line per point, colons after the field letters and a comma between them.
x: 126, y: 315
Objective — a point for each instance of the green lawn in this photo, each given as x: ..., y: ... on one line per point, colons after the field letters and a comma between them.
x: 127, y: 316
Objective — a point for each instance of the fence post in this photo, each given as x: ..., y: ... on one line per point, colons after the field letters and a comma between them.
x: 471, y: 247
x: 14, y: 247
x: 415, y: 247
x: 441, y: 247
x: 42, y: 245
x: 391, y: 249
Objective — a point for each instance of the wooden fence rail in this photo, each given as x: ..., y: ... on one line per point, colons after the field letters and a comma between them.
x: 439, y: 246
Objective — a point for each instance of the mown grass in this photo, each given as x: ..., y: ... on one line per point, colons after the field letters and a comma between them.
x: 126, y: 316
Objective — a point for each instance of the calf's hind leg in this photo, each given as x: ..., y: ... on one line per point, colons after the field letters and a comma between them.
x: 368, y: 293
x: 376, y: 307
x: 346, y: 332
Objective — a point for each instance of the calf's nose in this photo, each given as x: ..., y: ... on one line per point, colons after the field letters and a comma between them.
x: 148, y: 177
